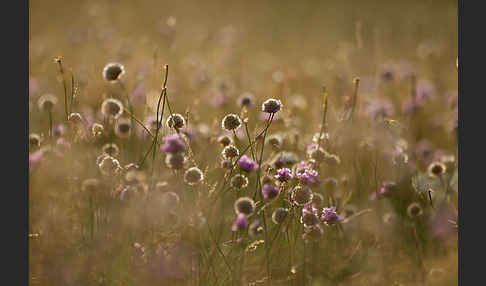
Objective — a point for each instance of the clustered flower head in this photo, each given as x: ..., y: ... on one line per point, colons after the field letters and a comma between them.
x: 34, y: 140
x: 301, y: 195
x: 123, y: 128
x: 271, y: 105
x: 111, y: 149
x: 414, y: 210
x: 436, y: 169
x: 176, y: 121
x: 330, y: 217
x: 231, y: 122
x: 97, y: 129
x: 109, y: 166
x: 244, y: 205
x: 175, y: 160
x: 310, y: 216
x: 173, y: 144
x: 284, y: 174
x: 113, y: 72
x: 309, y: 177
x: 270, y: 192
x: 247, y: 164
x: 230, y: 152
x: 112, y: 108
x: 386, y: 189
x: 246, y: 99
x: 47, y: 102
x: 240, y: 222
x: 239, y: 181
x: 224, y: 140
x: 193, y: 175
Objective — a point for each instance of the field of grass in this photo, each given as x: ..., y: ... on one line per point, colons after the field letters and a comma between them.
x: 243, y: 142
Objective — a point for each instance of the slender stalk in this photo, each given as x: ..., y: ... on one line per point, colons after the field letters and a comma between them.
x: 355, y: 97
x: 58, y: 60
x: 50, y: 123
x: 323, y: 124
x: 249, y: 140
x: 72, y: 91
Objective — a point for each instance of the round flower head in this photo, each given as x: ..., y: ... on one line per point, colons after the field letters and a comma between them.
x: 113, y: 72
x: 75, y: 118
x: 330, y: 217
x: 47, y: 102
x: 226, y: 164
x: 389, y: 218
x: 309, y: 216
x: 193, y: 176
x: 231, y: 122
x: 123, y: 128
x: 271, y: 105
x: 109, y: 166
x: 414, y: 210
x: 301, y: 195
x: 97, y: 129
x: 224, y: 140
x: 270, y: 192
x: 279, y: 215
x: 239, y: 181
x: 244, y: 205
x: 284, y: 159
x: 112, y: 108
x: 173, y: 144
x: 111, y: 149
x: 176, y: 120
x: 284, y: 174
x: 309, y: 177
x: 436, y: 169
x: 247, y: 164
x: 175, y: 160
x: 240, y: 222
x: 317, y: 200
x: 34, y: 141
x: 170, y: 199
x: 255, y: 228
x: 90, y: 185
x: 246, y: 99
x: 230, y: 152
x: 313, y: 233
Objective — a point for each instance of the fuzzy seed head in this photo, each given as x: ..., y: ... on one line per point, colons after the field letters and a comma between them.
x: 176, y: 121
x: 279, y: 215
x: 47, y: 102
x: 113, y: 72
x: 244, y: 205
x: 239, y: 181
x: 112, y: 108
x: 111, y: 149
x: 302, y: 195
x: 175, y: 161
x: 193, y: 176
x: 123, y: 128
x: 271, y: 105
x: 230, y: 152
x: 231, y: 122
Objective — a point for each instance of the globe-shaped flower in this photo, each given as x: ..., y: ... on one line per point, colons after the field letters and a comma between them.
x: 330, y: 217
x: 310, y: 216
x: 244, y: 205
x: 47, y: 102
x: 176, y: 120
x: 301, y: 195
x: 230, y: 152
x: 271, y: 105
x: 175, y: 160
x: 193, y: 175
x: 239, y: 181
x: 112, y: 108
x: 270, y: 192
x: 240, y: 222
x: 247, y: 164
x: 173, y: 144
x: 231, y: 122
x: 113, y: 72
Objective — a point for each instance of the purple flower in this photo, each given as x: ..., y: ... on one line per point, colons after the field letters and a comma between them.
x: 239, y: 223
x: 310, y: 216
x: 284, y: 174
x: 309, y: 177
x: 330, y: 217
x: 173, y: 144
x: 387, y: 72
x: 270, y: 192
x: 386, y: 189
x: 219, y: 99
x: 247, y: 164
x: 425, y: 91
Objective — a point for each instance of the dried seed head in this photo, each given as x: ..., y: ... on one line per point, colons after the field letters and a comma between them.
x: 230, y: 152
x: 244, y: 205
x: 436, y: 169
x: 302, y: 195
x: 231, y: 122
x: 111, y: 149
x: 271, y: 105
x: 112, y: 108
x: 47, y: 102
x: 34, y: 141
x: 279, y: 215
x: 176, y: 121
x: 97, y: 129
x: 75, y: 118
x: 414, y: 210
x: 193, y: 176
x: 224, y: 140
x: 239, y: 181
x: 175, y: 160
x: 113, y: 72
x: 123, y: 128
x: 109, y: 166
